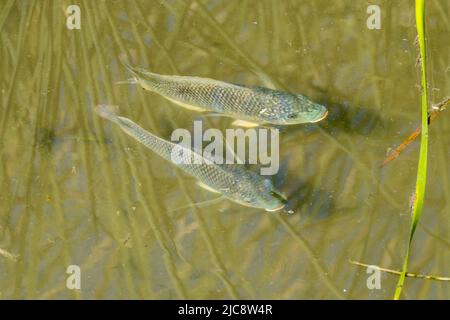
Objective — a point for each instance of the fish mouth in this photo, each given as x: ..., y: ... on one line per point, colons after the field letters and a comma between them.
x: 321, y: 118
x: 276, y: 208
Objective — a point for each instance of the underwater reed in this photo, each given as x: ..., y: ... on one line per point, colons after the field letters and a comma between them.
x: 422, y: 167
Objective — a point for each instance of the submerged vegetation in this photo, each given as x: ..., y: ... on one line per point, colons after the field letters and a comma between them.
x: 419, y: 193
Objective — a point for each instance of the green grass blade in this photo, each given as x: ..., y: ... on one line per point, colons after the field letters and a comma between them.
x: 422, y: 167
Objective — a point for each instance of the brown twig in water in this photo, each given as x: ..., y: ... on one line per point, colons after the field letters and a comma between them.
x: 408, y: 274
x: 437, y: 108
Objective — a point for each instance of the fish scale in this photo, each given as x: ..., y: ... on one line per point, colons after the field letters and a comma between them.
x: 233, y: 181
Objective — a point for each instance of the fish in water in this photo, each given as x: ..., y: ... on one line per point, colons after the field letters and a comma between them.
x: 252, y: 106
x: 233, y: 181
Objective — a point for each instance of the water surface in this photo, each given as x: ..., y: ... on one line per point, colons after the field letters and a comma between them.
x: 74, y: 190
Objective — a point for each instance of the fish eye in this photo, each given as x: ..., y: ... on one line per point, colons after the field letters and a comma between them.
x: 292, y: 116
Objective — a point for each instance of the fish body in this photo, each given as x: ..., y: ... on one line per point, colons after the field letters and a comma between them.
x: 253, y: 104
x: 233, y: 181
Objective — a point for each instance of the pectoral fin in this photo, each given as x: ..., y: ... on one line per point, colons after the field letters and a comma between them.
x: 246, y: 124
x: 214, y: 114
x: 186, y: 106
x: 206, y: 187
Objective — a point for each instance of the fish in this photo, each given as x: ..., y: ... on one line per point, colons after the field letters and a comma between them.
x: 233, y: 181
x: 250, y: 105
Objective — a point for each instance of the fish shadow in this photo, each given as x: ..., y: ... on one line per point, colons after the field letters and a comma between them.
x: 306, y: 199
x: 343, y: 117
x: 303, y: 197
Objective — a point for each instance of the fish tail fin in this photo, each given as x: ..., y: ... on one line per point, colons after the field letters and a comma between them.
x: 265, y: 78
x: 134, y: 70
x: 108, y: 112
x: 137, y: 72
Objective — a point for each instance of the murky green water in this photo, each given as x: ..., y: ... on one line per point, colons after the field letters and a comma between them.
x: 75, y: 190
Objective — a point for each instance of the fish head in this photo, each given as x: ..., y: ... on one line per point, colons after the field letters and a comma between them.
x: 268, y: 197
x: 300, y: 109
